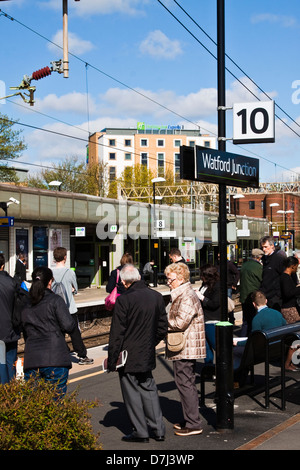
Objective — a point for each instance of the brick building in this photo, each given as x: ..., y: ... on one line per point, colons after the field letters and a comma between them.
x: 267, y: 205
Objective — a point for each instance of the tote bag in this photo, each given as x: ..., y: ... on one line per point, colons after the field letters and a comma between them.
x: 110, y: 300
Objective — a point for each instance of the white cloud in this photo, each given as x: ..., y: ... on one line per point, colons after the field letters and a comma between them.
x: 244, y: 91
x: 196, y: 105
x: 282, y: 20
x: 159, y: 46
x: 99, y: 7
x: 71, y: 102
x: 76, y: 45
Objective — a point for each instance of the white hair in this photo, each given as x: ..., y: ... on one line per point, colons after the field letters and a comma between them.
x: 129, y: 274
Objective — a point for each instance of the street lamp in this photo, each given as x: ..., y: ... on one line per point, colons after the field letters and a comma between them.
x: 274, y: 204
x: 56, y: 183
x: 285, y: 218
x: 4, y: 205
x: 159, y: 179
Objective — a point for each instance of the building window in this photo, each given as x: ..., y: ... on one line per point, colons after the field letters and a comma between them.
x: 112, y: 156
x: 127, y: 156
x: 192, y: 143
x: 177, y: 143
x: 160, y: 143
x: 160, y: 164
x: 144, y: 142
x: 251, y: 205
x: 112, y: 142
x: 177, y: 166
x: 112, y: 173
x: 206, y: 143
x: 144, y: 159
x: 127, y: 143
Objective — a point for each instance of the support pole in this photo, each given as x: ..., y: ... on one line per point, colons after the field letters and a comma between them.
x: 224, y: 329
x: 65, y: 40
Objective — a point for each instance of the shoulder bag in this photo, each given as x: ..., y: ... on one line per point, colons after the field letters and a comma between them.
x: 175, y: 341
x: 110, y: 300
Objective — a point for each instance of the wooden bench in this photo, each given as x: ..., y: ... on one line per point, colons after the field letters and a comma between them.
x: 262, y: 347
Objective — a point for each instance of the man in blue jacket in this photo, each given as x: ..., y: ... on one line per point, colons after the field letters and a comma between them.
x: 139, y: 323
x: 266, y: 318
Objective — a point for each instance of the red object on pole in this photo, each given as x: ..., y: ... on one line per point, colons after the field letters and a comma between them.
x: 44, y: 72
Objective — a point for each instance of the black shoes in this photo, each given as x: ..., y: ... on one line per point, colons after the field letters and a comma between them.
x: 133, y: 438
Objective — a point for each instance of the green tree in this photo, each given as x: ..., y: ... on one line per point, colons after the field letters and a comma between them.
x: 11, y: 147
x: 75, y: 176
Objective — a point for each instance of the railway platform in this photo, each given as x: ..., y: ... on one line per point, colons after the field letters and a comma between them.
x: 93, y: 296
x: 255, y: 427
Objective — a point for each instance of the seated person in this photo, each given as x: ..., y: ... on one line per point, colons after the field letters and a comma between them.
x: 265, y: 319
x: 148, y: 271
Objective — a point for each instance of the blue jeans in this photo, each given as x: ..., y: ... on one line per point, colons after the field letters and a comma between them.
x: 8, y: 370
x: 55, y: 375
x: 210, y: 335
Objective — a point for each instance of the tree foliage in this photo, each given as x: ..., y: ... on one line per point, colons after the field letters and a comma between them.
x: 11, y: 147
x: 74, y: 176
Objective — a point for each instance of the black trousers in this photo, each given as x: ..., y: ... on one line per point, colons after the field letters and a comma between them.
x: 76, y: 338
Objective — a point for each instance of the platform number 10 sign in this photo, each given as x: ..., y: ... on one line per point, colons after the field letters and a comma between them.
x: 254, y: 122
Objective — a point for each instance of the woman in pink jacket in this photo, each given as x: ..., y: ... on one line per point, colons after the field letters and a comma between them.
x: 185, y: 314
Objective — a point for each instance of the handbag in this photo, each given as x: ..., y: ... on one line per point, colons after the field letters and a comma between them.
x: 110, y: 300
x: 175, y: 341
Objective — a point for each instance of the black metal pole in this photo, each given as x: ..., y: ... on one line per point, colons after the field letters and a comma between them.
x: 224, y: 329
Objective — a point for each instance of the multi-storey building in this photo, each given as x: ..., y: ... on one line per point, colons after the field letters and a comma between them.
x: 156, y: 147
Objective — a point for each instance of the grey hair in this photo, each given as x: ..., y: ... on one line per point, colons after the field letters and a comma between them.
x: 129, y: 274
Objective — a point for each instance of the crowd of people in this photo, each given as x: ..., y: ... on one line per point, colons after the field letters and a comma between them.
x: 44, y: 318
x: 269, y: 288
x: 269, y: 295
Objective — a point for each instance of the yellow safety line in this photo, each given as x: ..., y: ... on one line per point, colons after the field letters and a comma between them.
x: 271, y: 433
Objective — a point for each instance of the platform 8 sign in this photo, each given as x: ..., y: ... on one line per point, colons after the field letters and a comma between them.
x: 215, y: 166
x: 254, y: 122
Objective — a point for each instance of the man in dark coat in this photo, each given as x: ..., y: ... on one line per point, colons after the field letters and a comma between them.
x: 139, y: 323
x: 251, y: 277
x: 273, y: 266
x: 20, y: 271
x: 8, y: 334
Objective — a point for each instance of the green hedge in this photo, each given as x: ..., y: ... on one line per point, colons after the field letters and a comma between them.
x: 32, y: 418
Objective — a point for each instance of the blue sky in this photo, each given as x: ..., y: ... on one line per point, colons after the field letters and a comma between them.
x: 138, y: 63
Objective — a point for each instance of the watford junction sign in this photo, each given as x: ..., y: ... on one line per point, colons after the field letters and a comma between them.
x: 215, y: 166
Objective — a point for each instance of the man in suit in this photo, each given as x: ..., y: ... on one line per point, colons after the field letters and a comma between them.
x: 20, y: 271
x: 139, y: 323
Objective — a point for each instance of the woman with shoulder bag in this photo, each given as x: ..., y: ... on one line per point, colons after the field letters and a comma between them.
x: 185, y: 315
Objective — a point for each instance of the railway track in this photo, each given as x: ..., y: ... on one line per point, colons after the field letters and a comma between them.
x: 95, y: 325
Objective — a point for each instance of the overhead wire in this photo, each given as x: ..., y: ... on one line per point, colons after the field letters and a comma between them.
x: 133, y: 89
x: 226, y: 68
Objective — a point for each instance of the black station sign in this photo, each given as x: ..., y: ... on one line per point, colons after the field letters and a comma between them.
x: 215, y: 166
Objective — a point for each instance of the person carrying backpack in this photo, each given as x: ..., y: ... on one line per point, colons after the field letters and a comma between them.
x: 65, y: 285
